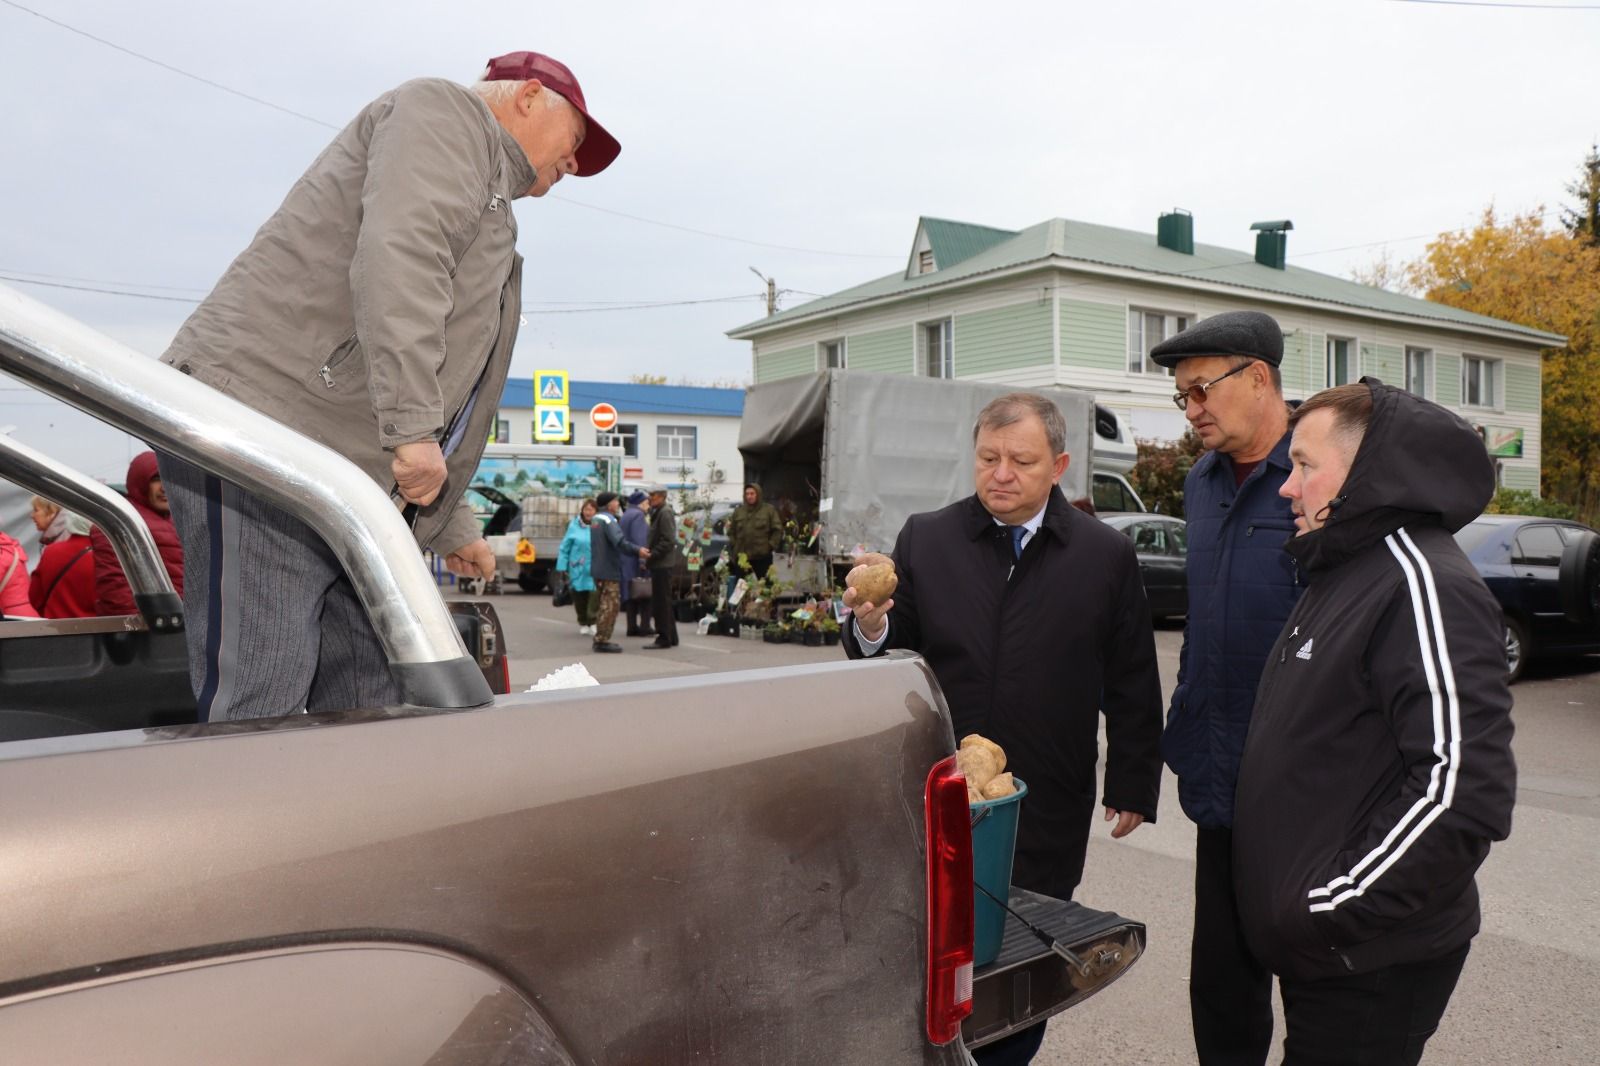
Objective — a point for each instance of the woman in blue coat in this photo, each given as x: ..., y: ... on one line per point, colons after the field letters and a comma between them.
x: 573, y: 560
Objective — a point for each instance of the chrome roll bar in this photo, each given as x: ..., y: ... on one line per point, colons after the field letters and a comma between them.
x: 183, y: 417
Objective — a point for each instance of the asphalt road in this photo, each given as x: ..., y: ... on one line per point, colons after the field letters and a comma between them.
x: 1530, y: 993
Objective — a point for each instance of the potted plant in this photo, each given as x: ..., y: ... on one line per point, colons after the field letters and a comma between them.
x: 830, y: 631
x: 775, y: 633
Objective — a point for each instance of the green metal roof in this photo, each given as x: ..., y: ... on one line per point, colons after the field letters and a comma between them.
x: 956, y: 242
x: 987, y: 251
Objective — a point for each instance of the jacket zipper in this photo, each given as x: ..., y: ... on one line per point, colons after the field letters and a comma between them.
x: 340, y: 354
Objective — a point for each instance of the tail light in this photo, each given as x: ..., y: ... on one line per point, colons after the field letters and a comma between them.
x: 950, y: 903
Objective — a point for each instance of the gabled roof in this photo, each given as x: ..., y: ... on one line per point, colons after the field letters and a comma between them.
x: 632, y: 399
x: 956, y: 242
x: 1063, y: 242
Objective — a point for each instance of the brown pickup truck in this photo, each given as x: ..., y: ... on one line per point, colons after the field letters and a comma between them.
x: 651, y: 874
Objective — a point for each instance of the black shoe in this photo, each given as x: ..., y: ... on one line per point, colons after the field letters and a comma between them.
x: 643, y: 633
x: 633, y: 631
x: 607, y: 646
x: 657, y: 645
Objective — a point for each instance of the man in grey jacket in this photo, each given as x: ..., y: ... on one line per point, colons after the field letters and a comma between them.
x: 375, y: 312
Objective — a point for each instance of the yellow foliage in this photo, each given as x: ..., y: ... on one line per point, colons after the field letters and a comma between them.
x: 1524, y: 273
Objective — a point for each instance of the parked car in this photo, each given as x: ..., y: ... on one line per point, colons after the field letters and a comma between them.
x: 1545, y: 572
x: 1163, y: 549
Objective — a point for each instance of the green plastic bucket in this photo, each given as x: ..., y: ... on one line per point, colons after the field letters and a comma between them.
x: 994, y: 840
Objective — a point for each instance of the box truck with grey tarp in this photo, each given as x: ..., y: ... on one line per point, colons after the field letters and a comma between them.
x: 866, y: 451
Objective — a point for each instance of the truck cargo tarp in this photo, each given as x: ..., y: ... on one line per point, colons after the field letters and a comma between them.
x: 873, y: 449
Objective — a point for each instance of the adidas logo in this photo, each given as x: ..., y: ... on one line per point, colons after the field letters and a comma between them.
x: 1305, y: 651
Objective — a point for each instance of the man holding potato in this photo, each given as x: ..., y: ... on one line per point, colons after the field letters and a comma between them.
x: 1033, y: 617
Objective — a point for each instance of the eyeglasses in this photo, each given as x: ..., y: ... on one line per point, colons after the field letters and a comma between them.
x: 1197, y: 393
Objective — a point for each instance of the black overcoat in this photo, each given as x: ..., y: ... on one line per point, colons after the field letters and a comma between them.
x: 1029, y: 652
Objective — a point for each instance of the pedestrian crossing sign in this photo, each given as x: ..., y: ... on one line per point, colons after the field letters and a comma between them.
x: 550, y: 423
x: 550, y: 387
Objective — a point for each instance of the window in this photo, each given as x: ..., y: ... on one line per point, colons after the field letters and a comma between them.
x: 1146, y: 329
x: 925, y: 261
x: 502, y: 432
x: 675, y: 442
x: 1478, y: 381
x: 938, y: 349
x: 1419, y: 372
x: 1110, y: 494
x: 624, y: 436
x: 1341, y: 361
x: 833, y: 354
x: 1538, y: 546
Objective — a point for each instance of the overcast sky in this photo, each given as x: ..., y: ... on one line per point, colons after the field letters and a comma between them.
x: 824, y: 128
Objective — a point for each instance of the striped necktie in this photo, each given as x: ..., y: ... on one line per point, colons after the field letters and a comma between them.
x: 1017, y: 533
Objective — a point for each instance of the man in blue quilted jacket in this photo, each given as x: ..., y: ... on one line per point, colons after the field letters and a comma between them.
x: 1242, y: 586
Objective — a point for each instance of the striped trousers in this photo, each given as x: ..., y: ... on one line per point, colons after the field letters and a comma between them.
x: 274, y: 625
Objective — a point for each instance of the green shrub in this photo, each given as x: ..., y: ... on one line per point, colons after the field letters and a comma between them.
x: 1523, y: 501
x: 1157, y: 476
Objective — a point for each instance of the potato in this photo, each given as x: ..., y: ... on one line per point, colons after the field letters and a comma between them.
x: 1000, y: 785
x: 874, y: 582
x: 994, y: 749
x: 973, y: 795
x: 978, y: 765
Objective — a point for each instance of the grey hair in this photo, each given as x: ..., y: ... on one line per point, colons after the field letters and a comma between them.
x: 1014, y: 407
x: 1274, y: 375
x: 498, y: 92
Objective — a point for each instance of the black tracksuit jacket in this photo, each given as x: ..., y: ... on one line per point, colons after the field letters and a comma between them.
x: 1029, y: 652
x: 1378, y: 765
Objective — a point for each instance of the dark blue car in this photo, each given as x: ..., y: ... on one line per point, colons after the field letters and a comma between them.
x: 1544, y: 572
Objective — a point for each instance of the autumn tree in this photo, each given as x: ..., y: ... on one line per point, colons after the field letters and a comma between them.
x: 1583, y: 221
x: 1158, y: 472
x: 1520, y: 271
x: 647, y: 379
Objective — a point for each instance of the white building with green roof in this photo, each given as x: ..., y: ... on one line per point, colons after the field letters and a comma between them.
x: 1073, y: 303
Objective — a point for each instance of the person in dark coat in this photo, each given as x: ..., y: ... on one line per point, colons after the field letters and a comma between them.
x: 663, y: 545
x: 635, y: 527
x: 1242, y: 587
x: 1378, y: 766
x: 608, y: 547
x: 1033, y: 618
x: 112, y: 594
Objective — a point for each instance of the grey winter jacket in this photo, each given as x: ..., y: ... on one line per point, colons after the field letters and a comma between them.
x: 383, y: 291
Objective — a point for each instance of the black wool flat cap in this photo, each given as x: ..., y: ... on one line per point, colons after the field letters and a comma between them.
x: 1248, y: 333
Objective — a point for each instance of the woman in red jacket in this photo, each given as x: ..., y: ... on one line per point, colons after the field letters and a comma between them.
x: 63, y: 582
x: 111, y: 592
x: 14, y: 580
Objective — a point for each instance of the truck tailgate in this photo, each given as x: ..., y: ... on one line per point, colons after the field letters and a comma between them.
x: 1028, y: 982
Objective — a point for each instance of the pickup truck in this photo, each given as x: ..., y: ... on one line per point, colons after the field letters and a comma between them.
x: 769, y: 866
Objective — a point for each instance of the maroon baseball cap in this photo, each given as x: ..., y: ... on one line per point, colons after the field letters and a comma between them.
x: 599, y: 148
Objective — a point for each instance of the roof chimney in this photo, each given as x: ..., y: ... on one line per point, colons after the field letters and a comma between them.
x: 1175, y: 230
x: 1272, y: 242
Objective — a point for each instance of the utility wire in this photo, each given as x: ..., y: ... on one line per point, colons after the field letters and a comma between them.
x: 168, y: 66
x: 328, y: 125
x: 1488, y: 3
x: 97, y: 289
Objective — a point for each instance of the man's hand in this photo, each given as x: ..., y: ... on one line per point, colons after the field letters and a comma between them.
x: 644, y: 553
x: 474, y: 560
x: 419, y: 471
x: 871, y: 618
x: 1127, y: 822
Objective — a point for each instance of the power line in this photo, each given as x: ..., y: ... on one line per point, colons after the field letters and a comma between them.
x: 167, y: 66
x: 96, y: 289
x: 723, y: 236
x: 1488, y: 3
x: 328, y: 125
x: 8, y: 271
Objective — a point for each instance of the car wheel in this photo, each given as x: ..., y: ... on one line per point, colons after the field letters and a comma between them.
x: 1517, y: 649
x: 530, y: 582
x: 1580, y: 579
